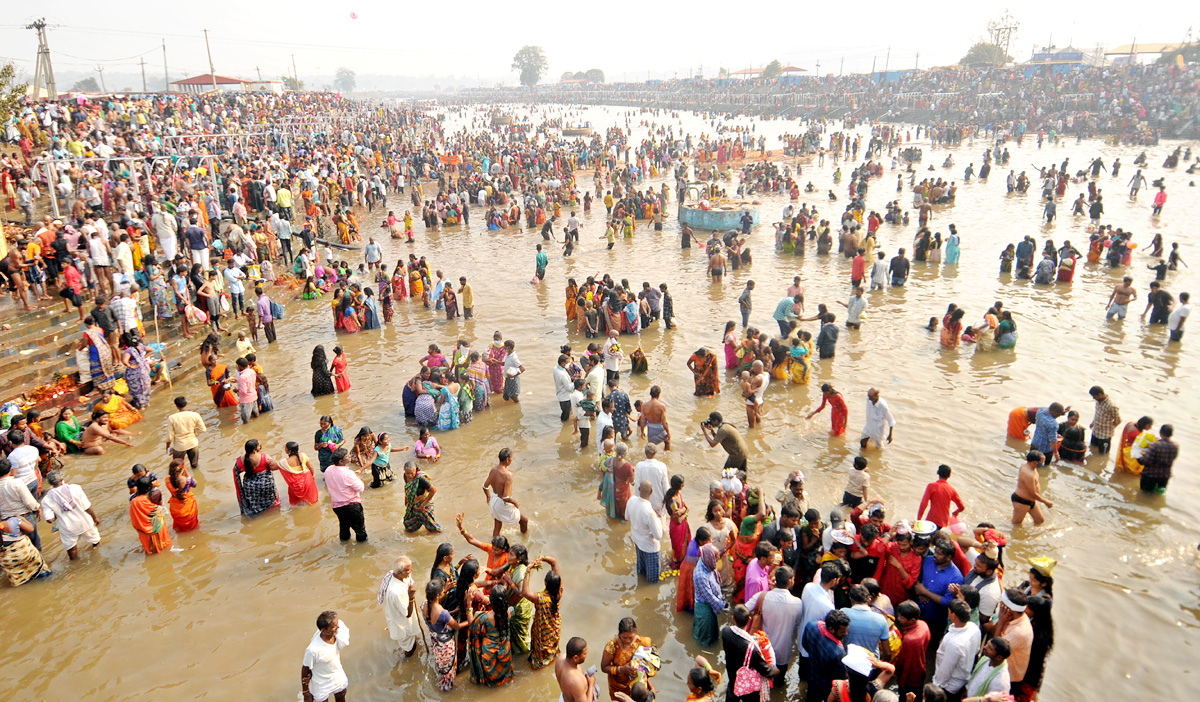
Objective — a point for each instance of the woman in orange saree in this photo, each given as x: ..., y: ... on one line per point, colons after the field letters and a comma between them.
x: 185, y: 515
x: 146, y: 514
x: 217, y: 375
x: 572, y: 295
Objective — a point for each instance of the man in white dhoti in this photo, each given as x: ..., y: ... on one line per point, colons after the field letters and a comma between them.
x: 397, y: 594
x: 879, y: 417
x: 497, y: 490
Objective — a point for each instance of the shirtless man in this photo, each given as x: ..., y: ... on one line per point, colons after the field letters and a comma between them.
x: 576, y: 685
x: 98, y: 432
x: 716, y: 266
x: 1122, y: 294
x: 655, y: 413
x: 1029, y: 491
x: 753, y: 388
x: 497, y: 490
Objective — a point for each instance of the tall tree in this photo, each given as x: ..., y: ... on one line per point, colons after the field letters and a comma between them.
x: 87, y: 85
x: 292, y: 83
x: 10, y: 94
x: 566, y: 75
x: 531, y: 62
x: 595, y: 75
x: 344, y: 80
x: 984, y: 53
x: 773, y: 70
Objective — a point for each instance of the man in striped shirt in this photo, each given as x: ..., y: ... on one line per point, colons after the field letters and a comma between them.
x: 1105, y: 422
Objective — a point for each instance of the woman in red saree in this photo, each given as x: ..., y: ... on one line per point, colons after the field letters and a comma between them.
x: 494, y: 358
x: 399, y: 282
x: 680, y: 533
x: 337, y: 368
x: 185, y: 515
x: 218, y: 377
x: 146, y: 514
x: 297, y: 472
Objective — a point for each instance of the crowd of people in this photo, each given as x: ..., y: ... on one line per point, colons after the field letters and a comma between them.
x: 861, y: 604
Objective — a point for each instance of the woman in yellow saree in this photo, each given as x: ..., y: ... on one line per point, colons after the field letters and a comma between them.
x: 120, y: 413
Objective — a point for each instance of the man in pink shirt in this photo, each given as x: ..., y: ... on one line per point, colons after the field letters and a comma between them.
x: 938, y: 496
x: 345, y: 491
x: 247, y: 390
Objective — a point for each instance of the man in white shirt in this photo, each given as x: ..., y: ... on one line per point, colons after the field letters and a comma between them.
x: 563, y: 387
x: 653, y: 471
x: 583, y: 424
x: 781, y: 613
x: 646, y: 531
x: 1178, y: 316
x: 878, y: 418
x: 16, y: 475
x: 595, y: 378
x: 125, y: 308
x: 398, y: 595
x: 70, y: 508
x: 612, y: 355
x: 956, y: 653
x: 166, y: 232
x: 816, y: 601
x: 237, y: 292
x: 990, y: 673
x: 321, y: 674
x: 604, y: 419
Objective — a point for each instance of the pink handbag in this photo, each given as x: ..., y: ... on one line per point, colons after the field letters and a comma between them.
x: 747, y: 680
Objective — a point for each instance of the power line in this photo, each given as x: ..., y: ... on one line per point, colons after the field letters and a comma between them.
x: 116, y: 60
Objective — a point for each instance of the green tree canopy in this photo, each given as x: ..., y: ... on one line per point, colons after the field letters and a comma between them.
x: 87, y: 85
x: 595, y: 75
x: 773, y: 70
x: 10, y: 94
x: 531, y: 62
x: 984, y: 53
x: 292, y: 83
x: 344, y: 80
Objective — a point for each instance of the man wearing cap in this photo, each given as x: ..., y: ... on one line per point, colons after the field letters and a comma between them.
x: 1017, y: 630
x: 956, y: 653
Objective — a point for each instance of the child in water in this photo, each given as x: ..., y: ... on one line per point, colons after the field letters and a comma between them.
x: 427, y: 446
x: 381, y: 467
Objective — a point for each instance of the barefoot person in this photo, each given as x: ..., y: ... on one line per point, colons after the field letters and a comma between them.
x: 93, y: 437
x: 398, y: 595
x: 497, y: 490
x: 655, y: 413
x: 321, y: 673
x: 1029, y: 491
x: 576, y: 684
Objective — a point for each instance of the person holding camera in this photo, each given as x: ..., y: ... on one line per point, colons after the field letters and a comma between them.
x: 716, y: 431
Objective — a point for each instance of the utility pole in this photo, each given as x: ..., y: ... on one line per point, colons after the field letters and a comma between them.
x: 887, y: 61
x: 166, y: 74
x: 143, y: 62
x: 841, y: 65
x: 259, y: 70
x: 43, y: 73
x: 212, y: 72
x: 917, y: 66
x: 100, y: 70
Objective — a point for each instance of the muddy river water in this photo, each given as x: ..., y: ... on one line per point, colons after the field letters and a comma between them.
x: 229, y: 615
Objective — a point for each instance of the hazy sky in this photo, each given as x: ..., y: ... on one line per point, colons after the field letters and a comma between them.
x: 626, y: 39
